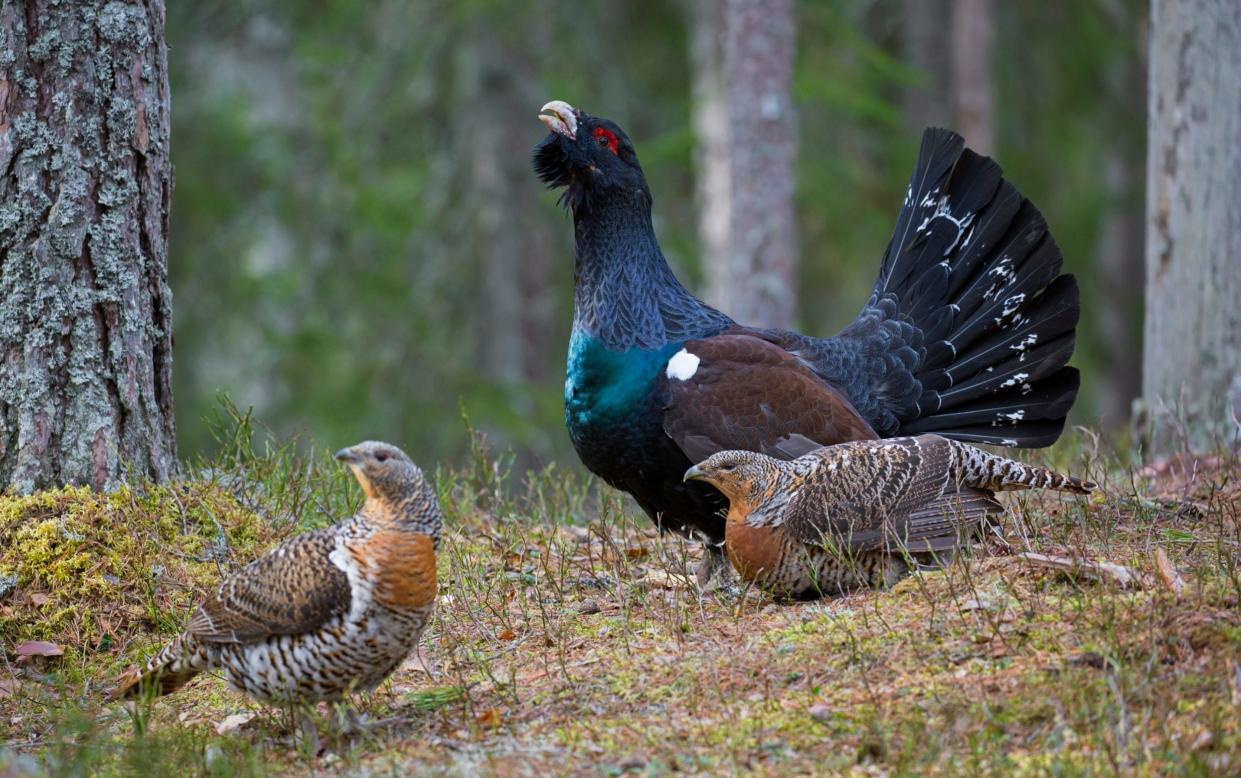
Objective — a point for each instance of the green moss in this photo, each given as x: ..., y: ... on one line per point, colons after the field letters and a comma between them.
x: 92, y: 565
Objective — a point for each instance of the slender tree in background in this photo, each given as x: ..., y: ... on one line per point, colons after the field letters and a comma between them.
x: 973, y: 79
x: 1119, y: 254
x: 924, y: 41
x: 85, y: 308
x: 1192, y: 354
x: 743, y: 113
x: 512, y: 239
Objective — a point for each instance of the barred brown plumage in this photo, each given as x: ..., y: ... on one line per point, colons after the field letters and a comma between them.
x: 324, y: 613
x: 860, y: 514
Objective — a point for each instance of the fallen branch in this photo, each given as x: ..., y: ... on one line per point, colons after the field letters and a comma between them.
x: 1120, y: 575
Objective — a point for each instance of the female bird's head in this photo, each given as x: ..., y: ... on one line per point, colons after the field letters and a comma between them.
x: 395, y: 487
x: 744, y: 477
x: 590, y: 156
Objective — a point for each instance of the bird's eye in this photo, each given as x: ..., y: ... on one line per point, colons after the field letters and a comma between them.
x: 381, y: 456
x: 606, y: 138
x: 728, y: 468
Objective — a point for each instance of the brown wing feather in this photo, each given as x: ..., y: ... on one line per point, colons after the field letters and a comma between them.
x: 749, y: 394
x: 292, y: 589
x: 875, y: 494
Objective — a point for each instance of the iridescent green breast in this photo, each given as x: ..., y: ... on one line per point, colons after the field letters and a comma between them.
x: 604, y: 386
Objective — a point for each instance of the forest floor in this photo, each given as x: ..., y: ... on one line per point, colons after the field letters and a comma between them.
x: 570, y: 639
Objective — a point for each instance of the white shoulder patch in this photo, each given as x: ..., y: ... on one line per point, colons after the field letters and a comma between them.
x: 682, y: 366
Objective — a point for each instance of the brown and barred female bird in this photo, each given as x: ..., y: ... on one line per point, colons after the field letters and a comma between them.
x: 325, y: 613
x: 862, y: 513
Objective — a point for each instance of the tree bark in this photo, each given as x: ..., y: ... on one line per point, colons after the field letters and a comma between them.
x: 1192, y: 353
x: 743, y: 113
x: 973, y: 77
x: 85, y: 189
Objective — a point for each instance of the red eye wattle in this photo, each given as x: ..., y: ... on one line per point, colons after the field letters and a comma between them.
x: 607, y: 138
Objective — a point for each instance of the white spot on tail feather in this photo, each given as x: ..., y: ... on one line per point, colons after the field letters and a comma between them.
x: 1015, y: 379
x: 944, y: 211
x: 682, y: 366
x: 1012, y: 303
x: 1025, y: 343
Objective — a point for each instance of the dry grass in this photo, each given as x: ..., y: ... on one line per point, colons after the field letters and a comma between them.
x: 569, y: 639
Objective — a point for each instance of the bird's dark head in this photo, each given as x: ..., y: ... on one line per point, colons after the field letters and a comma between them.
x: 396, y: 488
x: 742, y: 476
x: 589, y: 156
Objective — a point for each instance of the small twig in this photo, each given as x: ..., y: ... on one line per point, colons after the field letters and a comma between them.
x: 1120, y: 575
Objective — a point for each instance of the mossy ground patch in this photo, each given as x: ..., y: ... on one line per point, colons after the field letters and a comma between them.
x: 989, y: 666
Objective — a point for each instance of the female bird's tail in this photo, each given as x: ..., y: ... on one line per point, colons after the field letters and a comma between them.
x: 173, y: 667
x: 982, y: 470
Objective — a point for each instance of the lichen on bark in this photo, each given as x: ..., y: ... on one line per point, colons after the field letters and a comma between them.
x: 85, y: 191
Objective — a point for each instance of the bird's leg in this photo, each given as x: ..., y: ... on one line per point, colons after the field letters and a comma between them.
x: 309, y: 730
x: 715, y: 572
x: 351, y: 722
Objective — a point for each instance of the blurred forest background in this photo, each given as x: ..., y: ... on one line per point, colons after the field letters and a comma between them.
x: 358, y: 247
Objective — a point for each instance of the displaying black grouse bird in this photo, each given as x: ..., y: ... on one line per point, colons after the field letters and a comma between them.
x: 967, y: 333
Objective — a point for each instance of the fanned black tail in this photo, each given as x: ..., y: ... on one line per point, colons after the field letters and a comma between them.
x: 970, y: 324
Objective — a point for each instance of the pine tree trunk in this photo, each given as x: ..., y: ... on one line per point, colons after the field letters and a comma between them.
x: 973, y: 77
x: 85, y: 188
x: 1192, y: 353
x: 743, y: 63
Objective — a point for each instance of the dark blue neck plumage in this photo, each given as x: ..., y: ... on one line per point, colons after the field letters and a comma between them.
x: 625, y: 295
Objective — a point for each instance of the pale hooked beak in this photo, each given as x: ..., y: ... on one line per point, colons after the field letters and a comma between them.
x: 695, y: 474
x: 563, y: 118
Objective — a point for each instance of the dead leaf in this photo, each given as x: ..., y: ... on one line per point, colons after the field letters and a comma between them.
x: 39, y: 599
x: 33, y: 648
x: 490, y: 718
x: 636, y: 553
x: 1168, y: 574
x: 233, y: 723
x: 9, y: 687
x: 506, y: 634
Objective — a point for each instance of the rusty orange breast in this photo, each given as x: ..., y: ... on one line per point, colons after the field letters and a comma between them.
x: 754, y: 551
x: 404, y: 568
